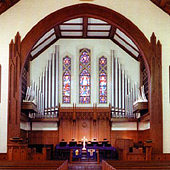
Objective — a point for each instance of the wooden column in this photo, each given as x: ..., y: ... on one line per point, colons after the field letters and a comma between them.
x: 14, y: 96
x: 156, y: 120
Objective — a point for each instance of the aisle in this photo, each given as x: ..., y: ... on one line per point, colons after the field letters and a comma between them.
x: 85, y: 166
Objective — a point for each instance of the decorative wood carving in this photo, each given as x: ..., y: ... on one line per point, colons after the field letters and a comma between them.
x: 85, y: 113
x: 156, y: 120
x: 14, y: 105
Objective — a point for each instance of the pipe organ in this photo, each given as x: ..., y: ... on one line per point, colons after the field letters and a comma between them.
x: 45, y: 95
x: 124, y: 93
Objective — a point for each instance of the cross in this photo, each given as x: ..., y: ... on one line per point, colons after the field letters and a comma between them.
x: 84, y: 140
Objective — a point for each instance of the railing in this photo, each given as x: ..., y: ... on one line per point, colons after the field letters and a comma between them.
x: 106, y: 166
x: 64, y: 166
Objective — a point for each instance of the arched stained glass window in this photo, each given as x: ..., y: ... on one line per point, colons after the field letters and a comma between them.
x: 66, y: 79
x: 102, y: 80
x: 84, y: 76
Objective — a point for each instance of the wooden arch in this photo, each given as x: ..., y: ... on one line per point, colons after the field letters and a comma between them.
x: 151, y: 54
x: 89, y: 10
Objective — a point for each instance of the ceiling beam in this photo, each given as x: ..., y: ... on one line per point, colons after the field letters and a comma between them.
x: 126, y: 50
x: 57, y: 31
x: 42, y: 50
x: 88, y: 37
x: 163, y: 3
x: 85, y: 25
x: 6, y: 4
x: 42, y: 42
x: 112, y: 31
x: 127, y: 43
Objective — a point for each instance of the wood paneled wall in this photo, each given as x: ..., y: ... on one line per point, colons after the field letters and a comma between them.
x: 143, y: 135
x: 43, y: 137
x: 3, y: 157
x: 130, y: 134
x: 24, y: 135
x: 70, y: 131
x: 89, y: 128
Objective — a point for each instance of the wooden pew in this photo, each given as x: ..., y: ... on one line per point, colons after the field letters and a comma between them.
x: 135, y: 165
x: 41, y: 165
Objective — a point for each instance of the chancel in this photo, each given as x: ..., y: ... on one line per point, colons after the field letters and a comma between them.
x: 84, y: 82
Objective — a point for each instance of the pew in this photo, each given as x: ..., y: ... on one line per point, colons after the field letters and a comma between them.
x: 41, y: 165
x: 135, y: 165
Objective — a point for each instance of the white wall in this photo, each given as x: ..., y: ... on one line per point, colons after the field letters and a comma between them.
x: 25, y: 14
x: 143, y: 125
x: 124, y: 126
x: 71, y: 48
x: 44, y: 126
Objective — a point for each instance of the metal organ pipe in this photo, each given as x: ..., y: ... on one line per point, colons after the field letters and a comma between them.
x: 57, y: 75
x: 46, y: 95
x: 123, y: 92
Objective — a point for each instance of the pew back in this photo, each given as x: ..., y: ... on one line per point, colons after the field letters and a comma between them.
x: 41, y: 165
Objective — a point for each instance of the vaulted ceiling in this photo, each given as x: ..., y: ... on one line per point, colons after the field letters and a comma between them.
x: 89, y: 28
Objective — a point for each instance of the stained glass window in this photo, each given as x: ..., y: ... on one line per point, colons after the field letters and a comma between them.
x: 102, y: 80
x: 66, y: 79
x: 84, y: 76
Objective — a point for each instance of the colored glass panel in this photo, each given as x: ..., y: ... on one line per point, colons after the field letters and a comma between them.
x: 84, y: 80
x: 66, y: 99
x: 84, y: 76
x: 84, y: 100
x: 84, y: 91
x: 66, y: 79
x: 103, y: 80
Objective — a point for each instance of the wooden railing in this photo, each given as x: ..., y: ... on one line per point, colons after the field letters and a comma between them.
x: 106, y: 166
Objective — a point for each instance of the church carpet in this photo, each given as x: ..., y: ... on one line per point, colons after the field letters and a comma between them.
x: 85, y: 166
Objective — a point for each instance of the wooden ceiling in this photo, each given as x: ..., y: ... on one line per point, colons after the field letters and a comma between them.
x: 6, y: 4
x: 89, y: 28
x: 163, y: 4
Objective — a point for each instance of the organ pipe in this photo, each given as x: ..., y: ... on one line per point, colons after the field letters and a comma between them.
x: 46, y: 94
x: 123, y: 91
